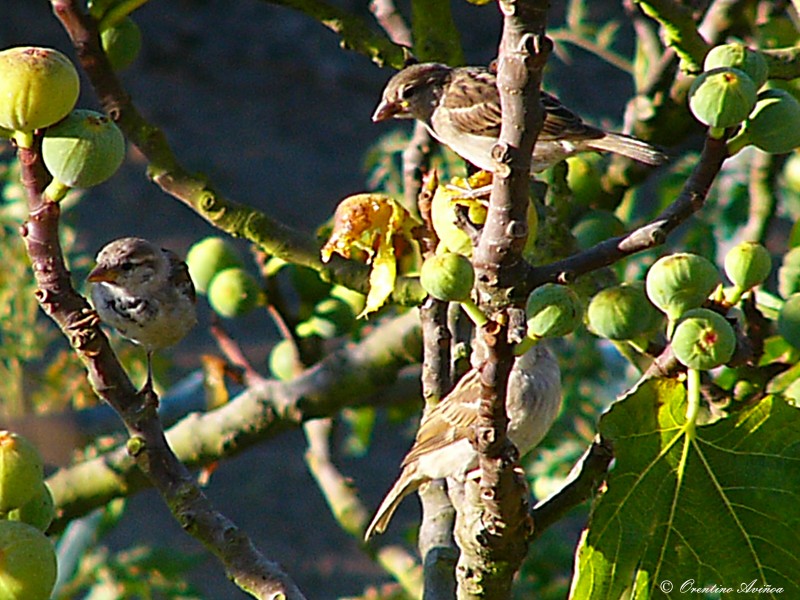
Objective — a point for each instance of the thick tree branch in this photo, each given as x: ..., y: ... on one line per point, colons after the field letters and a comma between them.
x: 653, y: 234
x: 581, y: 484
x: 147, y: 445
x: 493, y: 539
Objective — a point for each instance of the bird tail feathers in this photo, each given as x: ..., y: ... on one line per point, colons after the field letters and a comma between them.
x: 630, y: 147
x: 406, y: 484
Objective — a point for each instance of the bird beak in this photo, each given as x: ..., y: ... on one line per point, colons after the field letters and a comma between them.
x: 100, y: 273
x: 386, y: 110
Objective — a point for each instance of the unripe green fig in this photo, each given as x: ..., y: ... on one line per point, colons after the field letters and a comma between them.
x: 39, y: 511
x: 21, y: 471
x: 703, y: 340
x: 774, y: 124
x: 622, y: 312
x: 208, y: 257
x: 83, y: 150
x: 789, y: 273
x: 233, y: 292
x: 354, y: 299
x: 27, y: 562
x: 553, y: 311
x: 447, y: 276
x: 740, y: 57
x: 583, y: 178
x: 789, y: 320
x: 722, y: 97
x: 283, y: 360
x: 747, y: 265
x: 596, y: 227
x: 38, y: 87
x: 122, y: 43
x: 680, y: 282
x: 308, y: 284
x: 331, y: 317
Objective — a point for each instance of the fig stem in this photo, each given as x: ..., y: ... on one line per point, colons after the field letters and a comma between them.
x: 738, y: 142
x: 55, y: 190
x: 716, y: 132
x: 474, y: 313
x: 23, y: 139
x: 526, y: 344
x: 114, y: 16
x: 735, y: 295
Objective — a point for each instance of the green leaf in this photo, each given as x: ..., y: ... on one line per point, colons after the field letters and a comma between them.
x: 715, y: 506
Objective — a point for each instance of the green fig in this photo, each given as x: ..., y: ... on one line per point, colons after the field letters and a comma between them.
x: 331, y: 317
x: 21, y: 471
x: 597, y: 226
x: 680, y: 282
x: 234, y: 292
x: 703, y: 339
x: 747, y: 265
x: 447, y: 276
x: 740, y: 57
x: 38, y: 87
x: 28, y: 564
x: 789, y: 273
x: 353, y: 298
x: 621, y: 312
x: 774, y: 124
x: 583, y: 178
x: 39, y: 511
x: 208, y: 257
x: 553, y: 311
x: 122, y: 43
x: 283, y: 360
x: 722, y: 97
x: 82, y: 151
x: 789, y: 320
x: 308, y: 284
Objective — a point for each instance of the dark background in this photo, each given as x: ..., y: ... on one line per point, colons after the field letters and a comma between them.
x: 263, y: 101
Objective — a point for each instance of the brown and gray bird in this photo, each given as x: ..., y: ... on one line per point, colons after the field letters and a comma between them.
x: 461, y: 108
x: 442, y: 447
x: 145, y: 293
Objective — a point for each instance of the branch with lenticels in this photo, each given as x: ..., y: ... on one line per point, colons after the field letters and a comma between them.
x: 147, y: 444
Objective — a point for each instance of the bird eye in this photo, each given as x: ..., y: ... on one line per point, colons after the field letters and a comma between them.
x: 126, y: 266
x: 408, y: 91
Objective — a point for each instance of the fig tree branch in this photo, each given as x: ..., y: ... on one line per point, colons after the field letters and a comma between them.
x: 147, y: 446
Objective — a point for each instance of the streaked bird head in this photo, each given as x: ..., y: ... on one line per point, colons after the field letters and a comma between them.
x: 131, y: 264
x: 412, y: 93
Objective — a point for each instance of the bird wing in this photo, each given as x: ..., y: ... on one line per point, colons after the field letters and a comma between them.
x: 450, y: 420
x: 475, y: 110
x: 179, y: 275
x: 561, y: 123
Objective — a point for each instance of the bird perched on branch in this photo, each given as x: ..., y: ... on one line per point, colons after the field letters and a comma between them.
x: 461, y: 108
x: 145, y: 293
x: 443, y: 448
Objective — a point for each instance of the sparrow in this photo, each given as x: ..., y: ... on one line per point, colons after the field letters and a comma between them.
x: 442, y: 447
x: 145, y: 293
x: 461, y: 109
